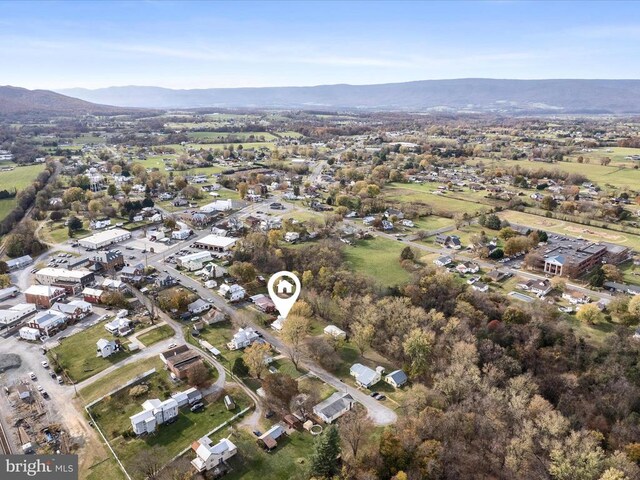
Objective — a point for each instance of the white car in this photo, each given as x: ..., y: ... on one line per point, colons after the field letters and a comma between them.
x: 45, y: 364
x: 40, y: 389
x: 173, y: 345
x: 32, y: 375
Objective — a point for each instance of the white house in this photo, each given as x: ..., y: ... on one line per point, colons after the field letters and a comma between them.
x: 365, y: 376
x: 480, y: 287
x: 100, y: 224
x: 467, y: 267
x: 119, y: 326
x: 278, y: 324
x: 291, y: 236
x: 443, y: 261
x: 334, y: 407
x: 335, y: 332
x: 232, y: 293
x: 396, y: 378
x: 188, y: 397
x: 574, y: 297
x: 154, y: 413
x: 209, y: 456
x: 198, y: 306
x: 243, y: 338
x: 106, y: 348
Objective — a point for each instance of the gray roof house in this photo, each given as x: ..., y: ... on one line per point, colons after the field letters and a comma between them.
x: 396, y: 378
x: 334, y: 407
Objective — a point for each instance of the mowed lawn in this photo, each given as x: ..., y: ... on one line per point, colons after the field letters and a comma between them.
x: 289, y: 461
x: 77, y: 354
x: 156, y: 335
x: 573, y: 229
x: 379, y: 259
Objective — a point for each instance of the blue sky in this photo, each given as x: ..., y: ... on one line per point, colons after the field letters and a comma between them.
x: 224, y: 44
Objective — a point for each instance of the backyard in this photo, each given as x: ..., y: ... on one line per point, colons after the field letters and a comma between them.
x: 112, y: 415
x: 77, y: 353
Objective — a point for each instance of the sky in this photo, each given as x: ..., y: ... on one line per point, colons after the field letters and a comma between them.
x: 56, y: 45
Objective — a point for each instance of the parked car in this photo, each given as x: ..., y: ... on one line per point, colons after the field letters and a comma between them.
x: 44, y: 394
x: 33, y: 376
x: 59, y: 379
x: 196, y: 407
x: 44, y: 363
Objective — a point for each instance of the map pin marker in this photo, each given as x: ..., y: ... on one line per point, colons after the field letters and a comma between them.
x: 284, y: 290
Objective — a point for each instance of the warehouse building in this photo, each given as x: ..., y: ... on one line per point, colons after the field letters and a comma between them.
x: 215, y: 243
x: 102, y: 239
x: 18, y: 263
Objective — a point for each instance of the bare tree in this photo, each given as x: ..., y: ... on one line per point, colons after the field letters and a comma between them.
x: 354, y: 428
x: 149, y: 462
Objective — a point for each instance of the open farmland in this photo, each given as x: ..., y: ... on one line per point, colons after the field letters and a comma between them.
x: 18, y: 178
x: 572, y: 229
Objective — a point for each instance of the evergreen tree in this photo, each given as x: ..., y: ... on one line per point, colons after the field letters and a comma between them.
x: 240, y: 368
x: 407, y: 254
x: 324, y: 459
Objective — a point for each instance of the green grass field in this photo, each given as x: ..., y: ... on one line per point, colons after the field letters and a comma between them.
x: 568, y: 228
x: 77, y: 353
x: 379, y: 259
x: 156, y: 335
x: 19, y: 177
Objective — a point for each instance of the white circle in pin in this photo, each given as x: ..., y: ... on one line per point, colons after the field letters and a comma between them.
x: 284, y: 290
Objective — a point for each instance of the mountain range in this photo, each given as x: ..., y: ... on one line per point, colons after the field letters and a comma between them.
x: 17, y: 101
x: 458, y: 95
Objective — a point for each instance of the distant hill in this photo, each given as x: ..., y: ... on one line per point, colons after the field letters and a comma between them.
x: 20, y: 101
x: 461, y: 95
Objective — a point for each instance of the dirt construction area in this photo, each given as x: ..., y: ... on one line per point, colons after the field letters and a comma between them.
x: 40, y: 415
